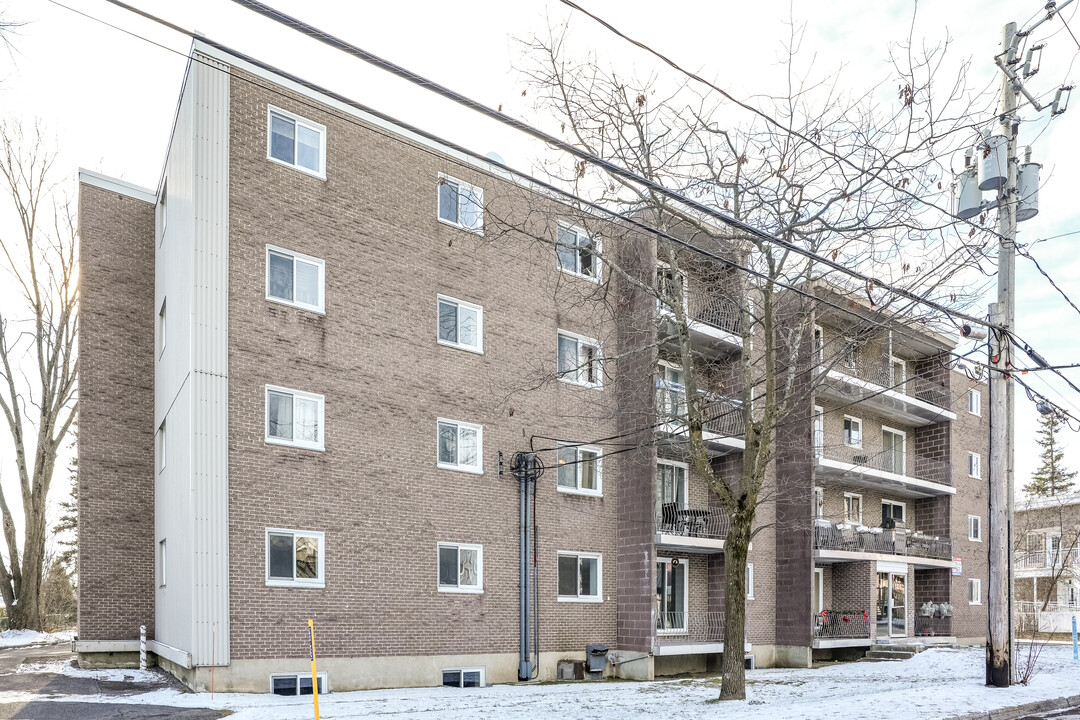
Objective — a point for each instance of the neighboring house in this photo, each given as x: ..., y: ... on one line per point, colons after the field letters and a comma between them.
x: 1047, y: 575
x: 308, y: 357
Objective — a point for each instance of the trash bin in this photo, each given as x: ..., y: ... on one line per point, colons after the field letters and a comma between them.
x: 596, y: 658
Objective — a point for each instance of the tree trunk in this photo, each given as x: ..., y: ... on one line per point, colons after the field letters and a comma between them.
x: 732, y: 669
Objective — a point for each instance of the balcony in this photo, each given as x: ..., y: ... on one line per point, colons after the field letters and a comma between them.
x: 685, y: 633
x: 911, y: 400
x: 722, y: 429
x: 1039, y: 563
x: 687, y: 529
x: 715, y: 323
x: 846, y: 542
x: 904, y: 474
x: 841, y: 628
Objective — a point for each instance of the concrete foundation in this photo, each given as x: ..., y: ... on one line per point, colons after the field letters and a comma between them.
x: 96, y: 660
x: 679, y: 664
x: 793, y: 656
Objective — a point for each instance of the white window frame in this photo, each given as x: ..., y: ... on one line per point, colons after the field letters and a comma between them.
x: 462, y: 671
x: 819, y: 431
x: 597, y: 249
x: 599, y: 596
x: 901, y: 384
x: 320, y: 444
x: 320, y: 307
x: 318, y: 581
x: 162, y: 554
x: 578, y: 490
x: 581, y: 340
x: 161, y: 447
x: 685, y: 479
x: 975, y: 584
x: 976, y: 396
x: 977, y: 465
x: 749, y: 581
x: 272, y: 110
x: 324, y: 688
x: 853, y: 495
x: 977, y: 526
x: 478, y: 588
x: 844, y: 434
x: 820, y: 573
x: 478, y: 469
x: 475, y: 190
x: 686, y: 598
x: 887, y: 501
x: 479, y: 310
x: 162, y: 336
x: 817, y: 502
x: 903, y: 436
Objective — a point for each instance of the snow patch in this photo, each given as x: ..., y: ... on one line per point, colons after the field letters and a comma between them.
x: 20, y: 638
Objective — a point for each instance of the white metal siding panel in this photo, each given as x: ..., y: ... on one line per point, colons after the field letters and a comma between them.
x: 210, y: 134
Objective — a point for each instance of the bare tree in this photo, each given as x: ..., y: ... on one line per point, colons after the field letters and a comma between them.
x: 38, y: 371
x: 798, y: 188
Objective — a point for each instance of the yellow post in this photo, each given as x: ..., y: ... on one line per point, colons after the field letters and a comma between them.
x: 314, y: 675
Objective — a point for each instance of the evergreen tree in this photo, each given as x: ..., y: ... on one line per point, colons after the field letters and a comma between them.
x: 1052, y: 477
x: 67, y: 526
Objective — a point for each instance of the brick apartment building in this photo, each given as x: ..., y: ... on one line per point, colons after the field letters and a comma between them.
x: 305, y: 368
x: 1047, y: 575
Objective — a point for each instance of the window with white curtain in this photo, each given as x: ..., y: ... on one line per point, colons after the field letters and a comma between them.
x: 579, y: 469
x: 294, y: 418
x: 460, y: 446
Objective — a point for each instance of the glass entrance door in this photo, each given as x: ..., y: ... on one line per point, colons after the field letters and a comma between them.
x: 892, y: 605
x: 894, y: 456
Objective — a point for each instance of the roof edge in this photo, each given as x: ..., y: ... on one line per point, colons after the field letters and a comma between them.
x: 89, y: 177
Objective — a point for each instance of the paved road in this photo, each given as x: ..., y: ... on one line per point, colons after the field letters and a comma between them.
x: 45, y: 686
x: 1069, y: 714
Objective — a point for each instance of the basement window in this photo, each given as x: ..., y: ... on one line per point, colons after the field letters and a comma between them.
x: 463, y: 677
x: 295, y: 683
x: 298, y: 143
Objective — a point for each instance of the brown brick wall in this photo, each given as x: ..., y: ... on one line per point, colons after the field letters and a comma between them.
x: 116, y: 415
x: 969, y: 433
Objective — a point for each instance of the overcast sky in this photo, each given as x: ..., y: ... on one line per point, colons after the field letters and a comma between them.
x: 109, y: 97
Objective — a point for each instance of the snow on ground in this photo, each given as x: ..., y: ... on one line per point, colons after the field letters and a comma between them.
x: 937, y: 683
x: 18, y: 638
x: 64, y: 667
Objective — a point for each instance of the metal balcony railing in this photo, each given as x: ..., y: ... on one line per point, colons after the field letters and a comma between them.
x: 1041, y: 560
x: 723, y: 416
x: 719, y: 312
x: 932, y: 626
x: 687, y: 628
x: 673, y: 519
x: 849, y: 537
x: 879, y: 371
x: 908, y: 464
x: 841, y: 624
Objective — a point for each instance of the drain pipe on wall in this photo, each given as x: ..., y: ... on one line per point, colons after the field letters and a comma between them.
x: 522, y: 467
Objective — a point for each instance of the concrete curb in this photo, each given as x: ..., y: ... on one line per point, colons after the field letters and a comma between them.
x: 1015, y: 711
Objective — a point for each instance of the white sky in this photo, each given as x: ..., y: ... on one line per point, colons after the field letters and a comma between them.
x: 109, y: 97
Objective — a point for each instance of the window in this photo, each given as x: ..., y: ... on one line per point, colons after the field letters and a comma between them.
x: 295, y: 684
x: 461, y: 324
x: 853, y: 508
x: 161, y: 329
x: 161, y: 446
x: 817, y: 506
x: 851, y: 356
x: 892, y: 510
x: 577, y: 252
x: 974, y: 591
x: 898, y: 371
x: 294, y: 418
x: 893, y: 451
x: 579, y: 469
x: 295, y: 279
x: 671, y: 287
x: 461, y: 568
x: 291, y: 140
x: 579, y: 360
x: 974, y: 465
x: 161, y: 563
x: 852, y: 431
x: 819, y: 432
x: 749, y: 581
x: 579, y: 577
x: 819, y: 343
x: 671, y: 483
x: 460, y: 446
x: 461, y: 204
x: 975, y: 402
x: 294, y: 558
x: 671, y: 596
x: 671, y: 392
x: 463, y: 677
x: 975, y: 528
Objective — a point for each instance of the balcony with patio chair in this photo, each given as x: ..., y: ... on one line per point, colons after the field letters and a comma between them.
x: 839, y: 540
x: 691, y: 529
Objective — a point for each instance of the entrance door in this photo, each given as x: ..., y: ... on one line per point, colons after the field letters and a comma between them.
x: 892, y: 605
x: 819, y: 432
x: 819, y: 591
x: 892, y: 442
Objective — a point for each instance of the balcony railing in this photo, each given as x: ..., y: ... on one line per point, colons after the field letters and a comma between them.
x: 673, y: 519
x: 1041, y: 560
x: 722, y: 416
x: 687, y: 628
x: 849, y: 537
x: 908, y: 464
x: 719, y: 312
x: 841, y: 624
x: 879, y: 371
x: 926, y: 626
